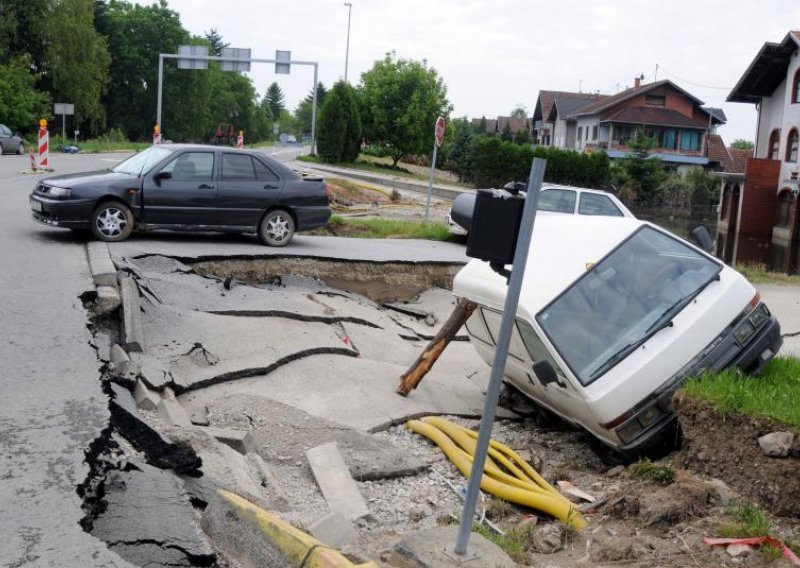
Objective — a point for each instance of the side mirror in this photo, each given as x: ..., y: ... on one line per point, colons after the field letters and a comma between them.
x: 545, y: 372
x: 162, y: 175
x: 702, y: 239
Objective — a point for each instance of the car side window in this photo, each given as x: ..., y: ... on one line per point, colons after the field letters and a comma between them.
x: 238, y: 167
x: 263, y: 172
x: 593, y: 204
x: 191, y: 166
x: 534, y: 345
x: 558, y: 200
x: 4, y: 131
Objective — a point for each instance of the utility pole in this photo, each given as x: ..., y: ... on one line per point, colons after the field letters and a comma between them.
x: 347, y: 51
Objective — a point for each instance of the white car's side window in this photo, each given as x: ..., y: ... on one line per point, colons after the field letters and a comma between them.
x: 593, y: 204
x: 558, y: 200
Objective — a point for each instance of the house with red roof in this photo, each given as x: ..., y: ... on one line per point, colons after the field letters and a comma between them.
x: 677, y: 121
x: 759, y: 219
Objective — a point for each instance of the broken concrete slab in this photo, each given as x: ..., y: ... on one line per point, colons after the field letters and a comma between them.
x: 132, y: 329
x: 145, y: 398
x: 106, y: 301
x: 102, y: 268
x: 269, y: 482
x: 120, y: 360
x: 281, y: 434
x: 435, y: 549
x: 334, y: 530
x: 172, y: 413
x: 158, y: 449
x: 242, y: 442
x: 149, y: 520
x: 334, y: 481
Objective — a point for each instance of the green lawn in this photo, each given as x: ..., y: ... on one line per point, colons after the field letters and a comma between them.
x: 773, y: 394
x: 385, y: 229
x: 760, y: 274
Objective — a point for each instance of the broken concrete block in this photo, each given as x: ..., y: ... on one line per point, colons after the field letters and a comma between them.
x: 132, y: 329
x: 548, y: 538
x: 434, y: 549
x: 777, y: 444
x: 160, y: 450
x: 276, y: 496
x: 172, y: 413
x: 199, y: 415
x: 144, y: 397
x: 104, y: 273
x: 335, y: 482
x: 120, y: 360
x: 334, y: 530
x: 106, y: 301
x: 240, y: 441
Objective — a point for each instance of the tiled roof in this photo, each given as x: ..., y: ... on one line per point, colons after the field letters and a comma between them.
x: 654, y: 116
x: 622, y: 96
x: 516, y: 124
x: 738, y: 160
x: 491, y: 124
x: 547, y: 98
x: 567, y: 106
x: 717, y: 152
x: 796, y: 35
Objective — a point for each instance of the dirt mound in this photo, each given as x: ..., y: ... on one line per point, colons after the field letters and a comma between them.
x: 725, y: 446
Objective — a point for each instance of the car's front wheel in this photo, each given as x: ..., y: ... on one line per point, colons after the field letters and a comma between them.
x: 276, y: 228
x: 112, y: 221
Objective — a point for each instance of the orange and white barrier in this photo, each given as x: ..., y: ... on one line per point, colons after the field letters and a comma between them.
x: 44, y: 140
x: 240, y: 140
x: 157, y: 134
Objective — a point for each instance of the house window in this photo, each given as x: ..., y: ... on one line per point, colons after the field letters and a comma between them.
x: 796, y: 87
x: 655, y: 100
x: 594, y: 132
x: 587, y: 132
x: 580, y: 133
x: 791, y: 146
x: 784, y: 208
x: 668, y: 139
x: 774, y: 144
x: 690, y: 141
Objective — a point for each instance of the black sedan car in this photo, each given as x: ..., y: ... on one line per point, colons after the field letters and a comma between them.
x: 186, y: 187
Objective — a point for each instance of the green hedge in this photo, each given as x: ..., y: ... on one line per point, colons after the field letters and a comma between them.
x: 495, y: 162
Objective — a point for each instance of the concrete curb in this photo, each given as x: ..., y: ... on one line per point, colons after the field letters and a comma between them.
x: 255, y: 537
x: 104, y: 273
x: 442, y: 191
x: 132, y: 329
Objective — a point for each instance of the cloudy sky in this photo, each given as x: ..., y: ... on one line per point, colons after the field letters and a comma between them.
x: 497, y: 54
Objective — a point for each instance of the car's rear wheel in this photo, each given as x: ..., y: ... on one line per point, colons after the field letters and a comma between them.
x: 276, y: 228
x: 112, y: 221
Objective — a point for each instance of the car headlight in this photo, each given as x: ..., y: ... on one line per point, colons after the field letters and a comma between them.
x: 742, y: 332
x: 629, y: 430
x: 759, y: 315
x: 59, y: 191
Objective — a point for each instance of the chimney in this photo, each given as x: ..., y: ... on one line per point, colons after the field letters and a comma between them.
x: 637, y: 82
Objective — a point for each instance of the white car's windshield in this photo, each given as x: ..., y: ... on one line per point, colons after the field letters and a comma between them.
x: 142, y: 162
x: 624, y: 300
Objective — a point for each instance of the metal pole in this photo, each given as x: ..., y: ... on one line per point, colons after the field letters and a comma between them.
x: 160, y: 87
x: 430, y: 182
x: 314, y: 115
x: 347, y: 51
x: 63, y: 129
x: 501, y: 352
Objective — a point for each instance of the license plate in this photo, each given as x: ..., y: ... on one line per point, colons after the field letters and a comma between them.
x: 36, y: 206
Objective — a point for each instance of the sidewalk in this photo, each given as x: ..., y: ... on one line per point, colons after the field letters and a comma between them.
x: 387, y: 180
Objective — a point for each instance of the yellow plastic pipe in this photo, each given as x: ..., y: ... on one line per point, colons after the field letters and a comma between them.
x: 557, y: 506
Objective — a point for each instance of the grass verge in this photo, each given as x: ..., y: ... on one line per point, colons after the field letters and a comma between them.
x: 773, y: 394
x: 747, y: 520
x: 99, y: 146
x: 514, y: 542
x: 761, y: 274
x: 655, y: 473
x: 384, y: 229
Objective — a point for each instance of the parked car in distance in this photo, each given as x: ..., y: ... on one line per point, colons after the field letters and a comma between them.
x: 10, y: 143
x: 614, y: 315
x: 186, y: 187
x: 552, y: 199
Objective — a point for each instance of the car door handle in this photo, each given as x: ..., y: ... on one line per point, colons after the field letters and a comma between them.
x: 270, y: 186
x: 206, y: 186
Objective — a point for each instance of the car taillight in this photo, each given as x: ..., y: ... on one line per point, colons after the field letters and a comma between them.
x: 328, y: 192
x: 754, y: 302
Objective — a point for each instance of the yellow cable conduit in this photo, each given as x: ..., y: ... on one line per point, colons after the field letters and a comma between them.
x: 522, y: 485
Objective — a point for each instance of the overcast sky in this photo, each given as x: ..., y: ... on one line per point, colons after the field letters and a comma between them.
x: 497, y: 54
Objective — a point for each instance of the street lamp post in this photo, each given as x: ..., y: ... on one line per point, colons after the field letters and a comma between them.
x: 347, y: 51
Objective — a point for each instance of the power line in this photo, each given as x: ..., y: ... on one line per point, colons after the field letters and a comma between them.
x: 668, y: 72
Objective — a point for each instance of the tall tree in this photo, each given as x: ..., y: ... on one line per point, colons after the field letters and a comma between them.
x: 400, y: 100
x: 460, y: 154
x: 274, y: 101
x: 79, y: 60
x: 742, y: 144
x: 215, y: 43
x: 21, y: 105
x: 302, y: 114
x: 23, y: 31
x: 339, y: 137
x: 519, y: 112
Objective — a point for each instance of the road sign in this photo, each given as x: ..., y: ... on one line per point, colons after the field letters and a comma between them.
x: 64, y: 108
x: 283, y: 62
x: 241, y: 57
x: 200, y: 50
x: 439, y: 132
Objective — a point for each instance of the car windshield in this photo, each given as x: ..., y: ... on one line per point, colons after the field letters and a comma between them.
x: 623, y: 300
x: 142, y: 162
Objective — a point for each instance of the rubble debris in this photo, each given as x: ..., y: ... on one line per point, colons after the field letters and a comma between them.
x: 242, y: 442
x: 159, y: 450
x: 106, y: 301
x: 334, y: 530
x: 172, y: 413
x: 132, y: 330
x: 335, y: 482
x: 145, y: 398
x: 149, y: 519
x: 777, y: 444
x: 548, y: 538
x: 275, y: 493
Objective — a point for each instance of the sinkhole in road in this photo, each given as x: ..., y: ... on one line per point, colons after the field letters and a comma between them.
x: 378, y: 281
